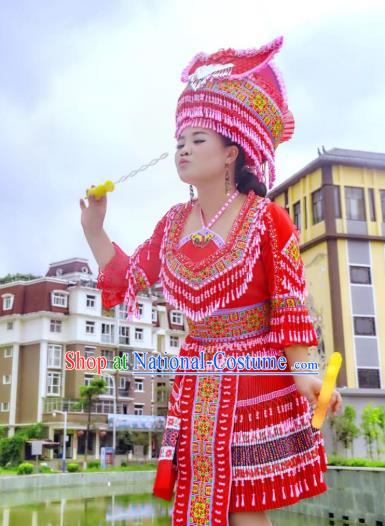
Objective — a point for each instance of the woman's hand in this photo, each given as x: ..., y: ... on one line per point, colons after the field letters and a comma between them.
x: 310, y: 387
x: 93, y: 216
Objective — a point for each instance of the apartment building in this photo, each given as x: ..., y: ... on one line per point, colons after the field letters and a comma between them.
x: 337, y: 202
x: 42, y: 319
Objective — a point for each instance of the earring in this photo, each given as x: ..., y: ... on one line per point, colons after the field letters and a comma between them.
x: 227, y: 181
x: 191, y: 193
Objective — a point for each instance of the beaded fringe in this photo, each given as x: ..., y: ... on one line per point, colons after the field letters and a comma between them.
x: 200, y: 302
x: 265, y: 484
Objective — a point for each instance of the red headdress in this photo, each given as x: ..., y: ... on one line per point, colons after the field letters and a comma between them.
x: 241, y: 95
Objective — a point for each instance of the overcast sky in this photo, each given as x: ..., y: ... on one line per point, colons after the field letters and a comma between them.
x: 88, y: 92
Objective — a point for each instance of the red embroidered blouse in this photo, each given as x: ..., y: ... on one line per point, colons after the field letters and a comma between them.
x: 259, y: 263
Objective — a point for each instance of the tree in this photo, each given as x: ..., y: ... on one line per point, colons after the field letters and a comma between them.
x: 381, y: 423
x: 379, y: 419
x: 345, y: 427
x: 88, y: 395
x: 371, y: 427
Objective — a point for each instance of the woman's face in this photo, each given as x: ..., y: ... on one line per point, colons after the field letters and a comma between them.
x: 201, y: 156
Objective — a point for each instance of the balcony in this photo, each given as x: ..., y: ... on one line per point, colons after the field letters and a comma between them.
x: 107, y: 338
x: 101, y: 407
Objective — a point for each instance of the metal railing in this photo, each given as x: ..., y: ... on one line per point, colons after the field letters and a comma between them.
x: 72, y: 406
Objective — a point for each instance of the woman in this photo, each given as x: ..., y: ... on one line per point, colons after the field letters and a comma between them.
x: 236, y: 444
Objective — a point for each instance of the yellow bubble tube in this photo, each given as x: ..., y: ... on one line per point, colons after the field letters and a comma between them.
x: 327, y: 389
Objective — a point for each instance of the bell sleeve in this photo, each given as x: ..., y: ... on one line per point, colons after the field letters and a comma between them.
x: 290, y: 321
x: 124, y: 276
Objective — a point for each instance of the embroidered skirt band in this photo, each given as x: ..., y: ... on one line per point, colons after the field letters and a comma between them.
x: 232, y: 324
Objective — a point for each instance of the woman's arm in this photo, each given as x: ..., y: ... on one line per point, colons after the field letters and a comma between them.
x: 290, y: 322
x: 101, y: 247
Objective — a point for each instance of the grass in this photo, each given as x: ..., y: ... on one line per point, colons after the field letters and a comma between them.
x: 336, y: 460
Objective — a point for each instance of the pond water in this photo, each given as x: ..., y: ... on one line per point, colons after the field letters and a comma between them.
x: 106, y: 506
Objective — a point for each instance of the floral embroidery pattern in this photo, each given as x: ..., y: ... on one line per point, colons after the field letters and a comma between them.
x: 200, y: 509
x: 236, y: 323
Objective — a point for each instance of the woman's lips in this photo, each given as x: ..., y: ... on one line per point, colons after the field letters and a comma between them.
x: 183, y: 162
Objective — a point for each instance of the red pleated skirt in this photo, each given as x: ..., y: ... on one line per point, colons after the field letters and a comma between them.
x: 277, y: 456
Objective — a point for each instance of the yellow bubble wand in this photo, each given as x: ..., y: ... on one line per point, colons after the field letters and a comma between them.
x: 327, y: 389
x: 109, y: 186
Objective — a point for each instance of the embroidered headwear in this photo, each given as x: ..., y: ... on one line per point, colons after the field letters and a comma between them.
x: 241, y: 95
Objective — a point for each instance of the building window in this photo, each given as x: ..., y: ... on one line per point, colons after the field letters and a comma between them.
x: 6, y: 379
x: 4, y: 406
x: 107, y: 333
x: 364, y: 326
x: 337, y: 201
x: 122, y: 311
x: 139, y: 385
x: 55, y: 326
x: 138, y: 409
x: 54, y: 355
x: 122, y: 382
x: 360, y: 275
x: 8, y: 301
x: 90, y: 301
x: 124, y: 335
x: 174, y: 341
x: 138, y: 334
x: 355, y: 203
x: 53, y: 384
x: 382, y: 198
x: 110, y: 386
x: 9, y: 325
x: 176, y: 317
x: 140, y: 310
x: 89, y: 351
x: 369, y: 378
x: 154, y: 315
x: 109, y: 356
x: 90, y: 327
x: 59, y: 299
x: 8, y: 352
x: 372, y: 205
x: 88, y: 379
x: 317, y: 206
x: 297, y: 215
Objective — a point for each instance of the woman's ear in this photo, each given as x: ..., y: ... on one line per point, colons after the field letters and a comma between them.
x: 232, y: 153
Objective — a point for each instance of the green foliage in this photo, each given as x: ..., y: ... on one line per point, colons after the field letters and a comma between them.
x: 9, y: 278
x: 45, y: 468
x: 34, y: 431
x: 371, y: 425
x: 345, y: 428
x: 124, y: 442
x: 337, y: 460
x: 73, y: 467
x: 139, y: 438
x: 93, y: 464
x: 11, y: 450
x: 3, y: 431
x: 25, y: 468
x: 88, y: 395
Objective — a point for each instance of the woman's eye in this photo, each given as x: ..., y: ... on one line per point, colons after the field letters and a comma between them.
x: 179, y: 146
